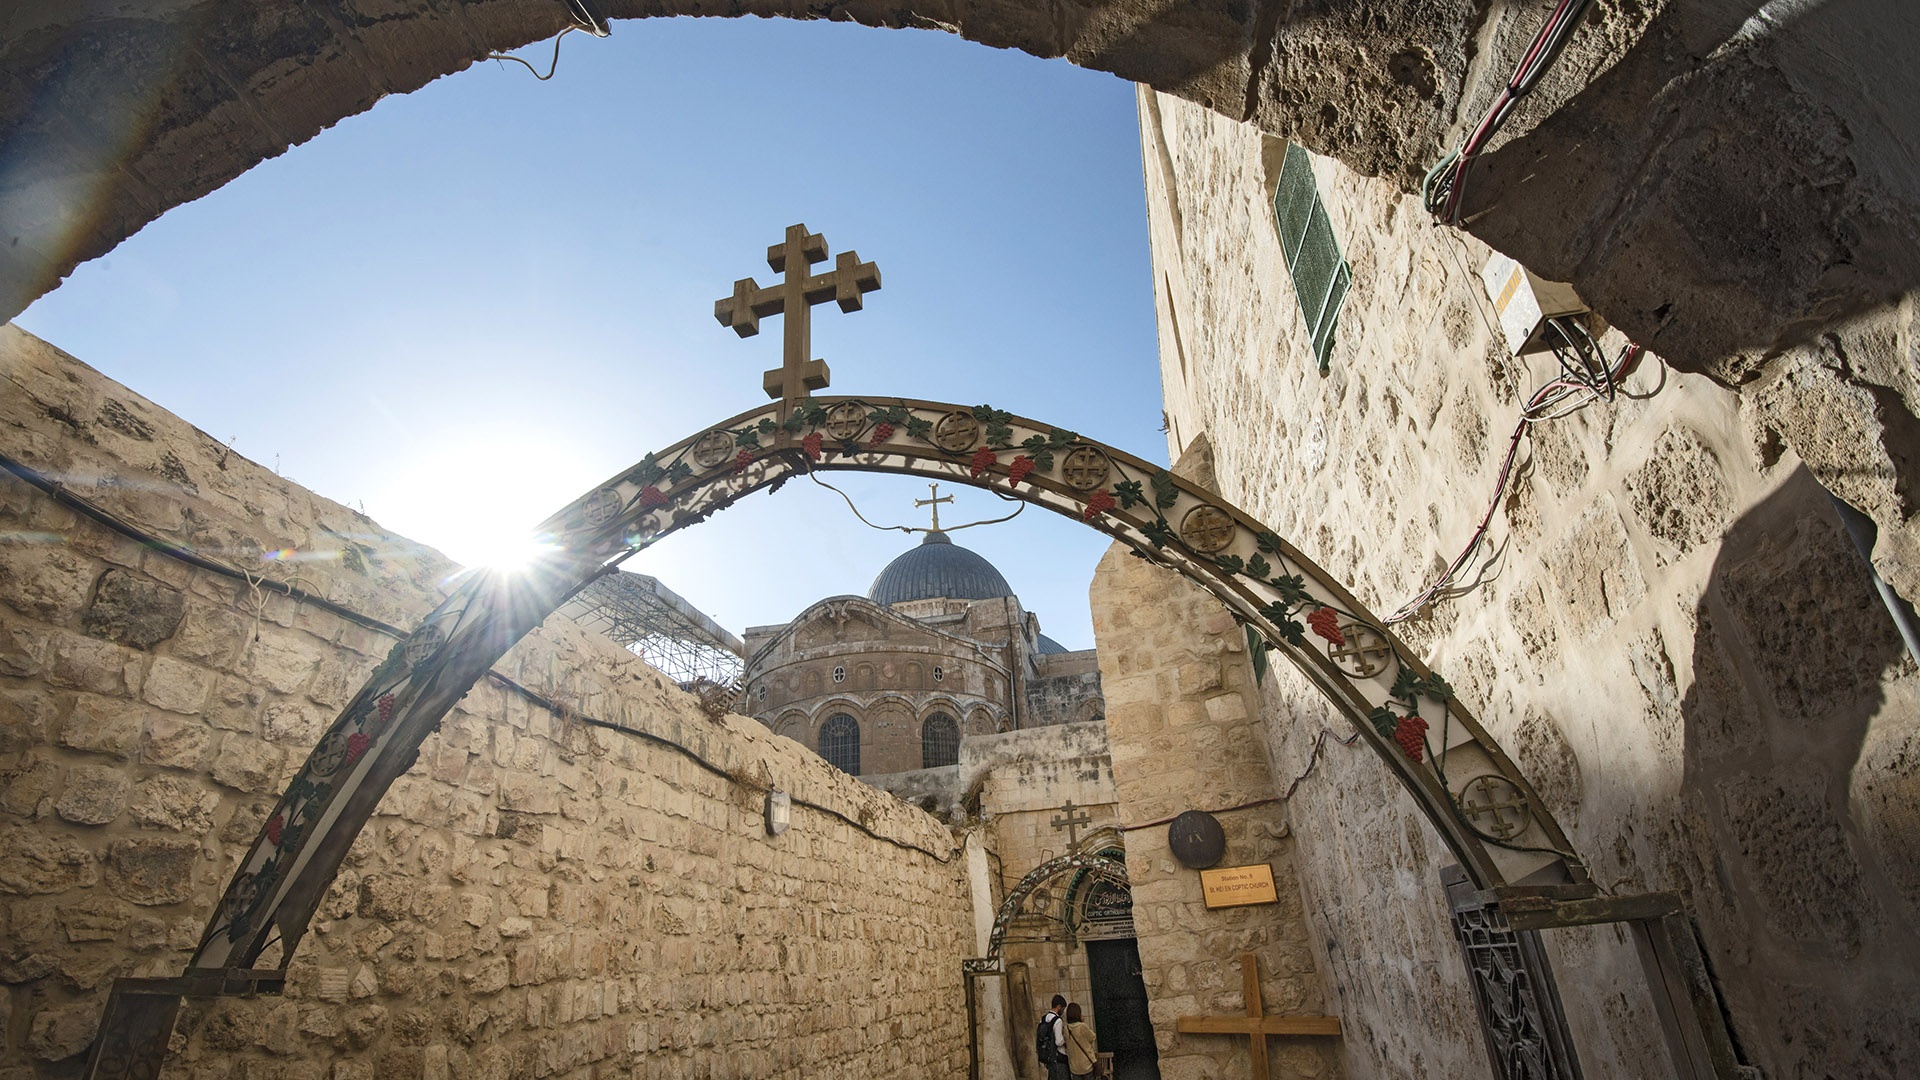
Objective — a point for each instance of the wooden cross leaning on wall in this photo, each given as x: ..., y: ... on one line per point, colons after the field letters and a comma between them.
x: 1256, y: 1024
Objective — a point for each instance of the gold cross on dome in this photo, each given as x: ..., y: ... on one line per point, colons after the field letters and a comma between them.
x: 935, y: 501
x: 794, y: 298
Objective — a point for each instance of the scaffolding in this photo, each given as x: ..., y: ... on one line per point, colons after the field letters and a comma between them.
x: 656, y: 624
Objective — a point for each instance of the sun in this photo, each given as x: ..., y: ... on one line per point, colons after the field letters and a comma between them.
x: 480, y: 499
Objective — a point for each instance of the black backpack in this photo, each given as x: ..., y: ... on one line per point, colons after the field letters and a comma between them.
x: 1043, y: 1041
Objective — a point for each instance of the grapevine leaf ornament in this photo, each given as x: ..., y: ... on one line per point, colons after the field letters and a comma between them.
x: 1270, y: 543
x: 1295, y: 634
x: 1384, y: 721
x: 1165, y: 491
x: 746, y: 436
x: 679, y: 472
x: 1257, y: 648
x: 766, y: 426
x: 1406, y: 684
x: 1257, y: 567
x: 1231, y: 563
x: 648, y: 472
x: 1129, y: 493
x: 1060, y: 438
x: 919, y: 428
x: 1042, y: 457
x: 1158, y: 532
x: 1292, y: 588
x: 1437, y: 688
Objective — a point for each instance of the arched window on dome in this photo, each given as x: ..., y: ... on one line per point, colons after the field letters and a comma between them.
x: 840, y: 743
x: 939, y: 742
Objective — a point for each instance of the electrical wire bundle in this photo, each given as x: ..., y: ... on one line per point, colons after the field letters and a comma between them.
x: 1584, y: 378
x: 1445, y: 181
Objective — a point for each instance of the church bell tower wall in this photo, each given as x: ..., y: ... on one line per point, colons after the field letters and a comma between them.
x: 1680, y: 646
x: 588, y: 890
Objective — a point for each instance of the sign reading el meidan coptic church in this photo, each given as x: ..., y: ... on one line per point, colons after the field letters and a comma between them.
x: 1235, y: 886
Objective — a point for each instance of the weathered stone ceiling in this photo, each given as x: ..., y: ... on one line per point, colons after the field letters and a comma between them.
x: 1725, y: 180
x: 1721, y: 178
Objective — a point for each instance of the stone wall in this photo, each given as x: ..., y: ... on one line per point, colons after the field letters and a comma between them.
x: 591, y: 893
x: 1183, y: 718
x: 1679, y: 646
x: 1064, y: 689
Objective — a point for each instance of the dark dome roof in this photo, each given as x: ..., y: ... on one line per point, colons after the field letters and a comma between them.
x: 1048, y: 646
x: 937, y: 567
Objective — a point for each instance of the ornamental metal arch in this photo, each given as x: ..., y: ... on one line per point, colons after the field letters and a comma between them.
x: 1483, y: 808
x: 1087, y: 868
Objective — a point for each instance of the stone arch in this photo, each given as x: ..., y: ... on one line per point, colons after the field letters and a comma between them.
x: 1400, y: 708
x: 792, y: 725
x: 1092, y: 709
x: 192, y: 94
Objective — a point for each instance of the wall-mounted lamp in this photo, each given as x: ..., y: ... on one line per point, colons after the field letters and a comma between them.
x: 779, y: 812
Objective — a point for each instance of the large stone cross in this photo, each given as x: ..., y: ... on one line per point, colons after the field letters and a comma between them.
x: 793, y: 298
x: 1256, y: 1023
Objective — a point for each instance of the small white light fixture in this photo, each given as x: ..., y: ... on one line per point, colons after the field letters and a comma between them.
x: 779, y: 812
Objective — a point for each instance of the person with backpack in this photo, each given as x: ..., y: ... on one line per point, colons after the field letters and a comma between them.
x: 1082, y: 1048
x: 1050, y: 1040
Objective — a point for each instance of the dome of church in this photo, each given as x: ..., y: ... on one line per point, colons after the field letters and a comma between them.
x: 938, y: 567
x: 1048, y: 646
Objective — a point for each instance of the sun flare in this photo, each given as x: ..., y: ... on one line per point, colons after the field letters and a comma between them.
x: 481, y: 499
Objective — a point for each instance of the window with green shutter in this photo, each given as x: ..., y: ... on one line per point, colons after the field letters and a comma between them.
x: 1321, y: 276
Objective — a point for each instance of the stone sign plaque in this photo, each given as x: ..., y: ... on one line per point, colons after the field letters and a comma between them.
x: 1238, y: 886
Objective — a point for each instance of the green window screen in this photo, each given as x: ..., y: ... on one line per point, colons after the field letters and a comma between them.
x: 1321, y: 276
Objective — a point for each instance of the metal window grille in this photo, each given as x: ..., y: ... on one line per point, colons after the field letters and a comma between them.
x: 939, y: 742
x: 840, y: 743
x: 1321, y: 276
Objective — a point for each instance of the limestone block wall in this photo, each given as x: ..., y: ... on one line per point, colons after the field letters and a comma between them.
x: 1182, y: 712
x: 584, y: 893
x: 1023, y: 780
x: 1679, y: 645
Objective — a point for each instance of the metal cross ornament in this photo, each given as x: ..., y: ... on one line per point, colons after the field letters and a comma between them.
x: 937, y: 498
x: 793, y: 298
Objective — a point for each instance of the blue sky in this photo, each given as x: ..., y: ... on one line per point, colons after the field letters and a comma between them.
x: 467, y: 306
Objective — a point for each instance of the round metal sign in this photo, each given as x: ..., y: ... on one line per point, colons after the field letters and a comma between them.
x: 1197, y: 839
